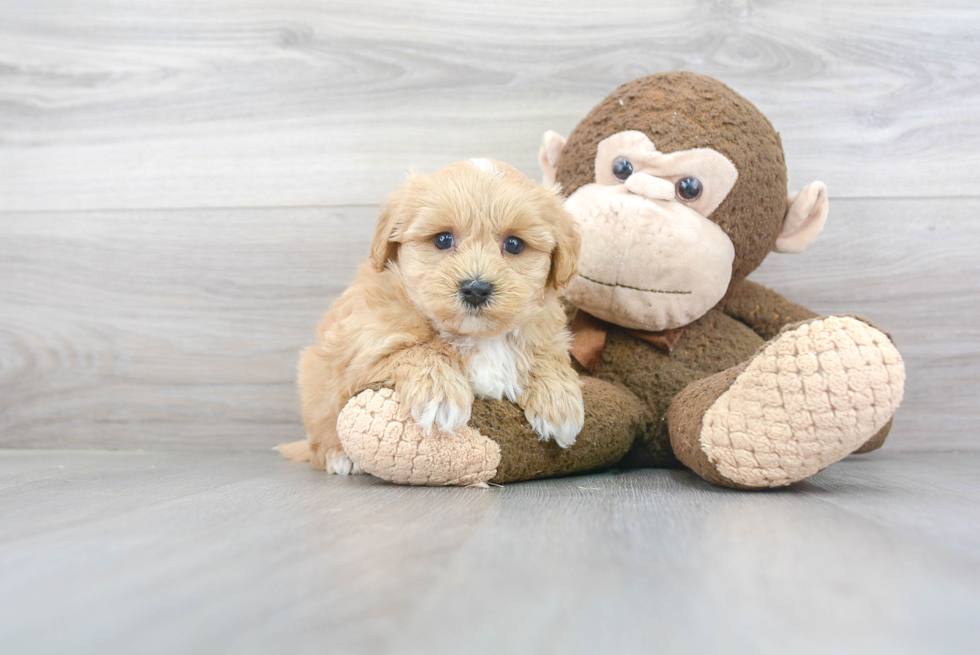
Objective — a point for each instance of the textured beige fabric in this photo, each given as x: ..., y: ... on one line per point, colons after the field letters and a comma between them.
x: 646, y: 265
x: 395, y: 449
x: 812, y: 396
x: 716, y: 171
x: 552, y: 144
x: 806, y: 214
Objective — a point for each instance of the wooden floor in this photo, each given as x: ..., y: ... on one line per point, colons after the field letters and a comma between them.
x: 195, y: 552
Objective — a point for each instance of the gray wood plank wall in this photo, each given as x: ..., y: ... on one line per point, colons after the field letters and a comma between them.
x: 185, y: 186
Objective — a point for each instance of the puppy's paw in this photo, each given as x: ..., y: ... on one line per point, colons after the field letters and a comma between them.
x: 564, y: 434
x: 338, y: 462
x: 441, y: 414
x: 443, y: 401
x: 555, y: 410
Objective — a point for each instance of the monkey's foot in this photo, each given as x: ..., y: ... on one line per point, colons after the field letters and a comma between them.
x: 814, y: 394
x: 384, y: 444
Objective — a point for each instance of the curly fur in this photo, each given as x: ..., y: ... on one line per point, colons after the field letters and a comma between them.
x: 403, y: 321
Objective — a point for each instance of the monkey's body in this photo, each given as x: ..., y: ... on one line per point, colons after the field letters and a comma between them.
x: 756, y: 391
x: 711, y: 344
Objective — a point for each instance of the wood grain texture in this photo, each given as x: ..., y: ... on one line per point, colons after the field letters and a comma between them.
x: 246, y: 553
x: 168, y: 329
x: 911, y: 267
x: 263, y: 104
x: 188, y: 324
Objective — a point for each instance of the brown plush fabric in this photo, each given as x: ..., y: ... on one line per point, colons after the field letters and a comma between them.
x: 875, y: 442
x: 685, y: 420
x: 679, y: 111
x: 589, y: 339
x: 611, y: 416
x: 711, y: 344
x: 762, y: 309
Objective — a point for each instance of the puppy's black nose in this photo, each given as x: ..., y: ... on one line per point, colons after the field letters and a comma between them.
x: 476, y: 292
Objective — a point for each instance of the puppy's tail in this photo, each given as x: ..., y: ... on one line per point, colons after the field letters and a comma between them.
x: 298, y: 451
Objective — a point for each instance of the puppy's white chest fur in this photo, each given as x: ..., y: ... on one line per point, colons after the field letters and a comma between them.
x: 492, y: 365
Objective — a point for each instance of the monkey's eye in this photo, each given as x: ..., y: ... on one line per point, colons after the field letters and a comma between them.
x: 622, y: 169
x: 513, y: 245
x: 443, y: 240
x: 689, y: 188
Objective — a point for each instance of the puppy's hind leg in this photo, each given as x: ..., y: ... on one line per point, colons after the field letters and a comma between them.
x: 329, y: 455
x: 324, y: 458
x: 320, y: 411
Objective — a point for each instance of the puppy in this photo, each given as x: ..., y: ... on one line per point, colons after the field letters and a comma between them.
x: 460, y: 297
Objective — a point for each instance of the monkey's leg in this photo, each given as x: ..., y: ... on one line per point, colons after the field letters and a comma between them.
x: 814, y: 394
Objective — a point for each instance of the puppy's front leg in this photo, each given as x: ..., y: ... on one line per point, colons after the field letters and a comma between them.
x: 552, y: 399
x: 433, y: 387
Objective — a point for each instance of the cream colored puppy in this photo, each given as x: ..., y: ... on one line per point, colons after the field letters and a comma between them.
x: 460, y: 297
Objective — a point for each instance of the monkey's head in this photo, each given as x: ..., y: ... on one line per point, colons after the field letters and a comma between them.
x: 679, y: 188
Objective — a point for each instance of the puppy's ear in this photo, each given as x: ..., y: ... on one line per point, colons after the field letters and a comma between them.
x: 564, y: 258
x: 384, y: 247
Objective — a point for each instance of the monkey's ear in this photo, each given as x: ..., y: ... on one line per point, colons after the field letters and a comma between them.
x: 806, y: 214
x: 552, y: 144
x: 564, y: 258
x: 384, y: 246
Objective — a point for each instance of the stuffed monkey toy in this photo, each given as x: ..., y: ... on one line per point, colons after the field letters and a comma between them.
x: 679, y: 188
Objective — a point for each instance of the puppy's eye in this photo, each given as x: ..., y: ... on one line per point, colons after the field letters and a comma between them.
x: 513, y: 245
x: 443, y: 240
x: 622, y: 169
x: 689, y: 188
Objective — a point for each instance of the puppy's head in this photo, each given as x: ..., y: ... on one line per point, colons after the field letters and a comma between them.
x: 477, y: 245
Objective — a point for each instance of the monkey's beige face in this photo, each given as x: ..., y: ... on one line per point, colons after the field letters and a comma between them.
x: 476, y: 243
x: 651, y: 259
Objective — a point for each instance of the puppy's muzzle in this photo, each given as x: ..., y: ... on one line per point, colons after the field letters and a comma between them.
x: 475, y: 292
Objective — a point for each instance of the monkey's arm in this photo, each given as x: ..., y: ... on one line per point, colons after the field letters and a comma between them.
x: 762, y: 309
x: 498, y: 446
